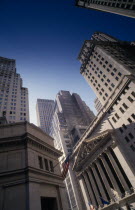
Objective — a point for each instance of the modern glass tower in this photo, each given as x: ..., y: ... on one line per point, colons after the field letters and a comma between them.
x: 13, y: 96
x: 125, y: 8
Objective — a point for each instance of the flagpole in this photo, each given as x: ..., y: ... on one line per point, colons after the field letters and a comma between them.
x: 56, y: 165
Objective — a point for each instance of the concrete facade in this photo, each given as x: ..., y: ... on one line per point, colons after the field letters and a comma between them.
x: 125, y: 8
x: 28, y: 178
x: 104, y: 156
x: 13, y: 96
x: 97, y: 104
x: 45, y: 110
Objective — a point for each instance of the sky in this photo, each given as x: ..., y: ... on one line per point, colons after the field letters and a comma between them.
x: 45, y: 38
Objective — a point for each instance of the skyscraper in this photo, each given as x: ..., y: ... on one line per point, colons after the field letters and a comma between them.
x: 70, y: 120
x: 104, y: 156
x: 105, y: 60
x: 126, y: 8
x: 13, y: 96
x: 44, y: 109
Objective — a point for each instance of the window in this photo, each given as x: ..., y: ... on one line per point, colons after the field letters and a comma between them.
x: 131, y: 135
x: 114, y: 69
x: 133, y: 93
x: 127, y: 139
x: 117, y: 116
x: 46, y: 164
x: 121, y: 130
x: 114, y: 120
x: 133, y: 116
x: 125, y: 106
x: 122, y: 111
x: 129, y: 120
x: 124, y: 126
x: 40, y: 161
x: 130, y: 99
x: 119, y: 74
x: 51, y: 166
x: 102, y: 90
x: 112, y: 85
x: 132, y: 147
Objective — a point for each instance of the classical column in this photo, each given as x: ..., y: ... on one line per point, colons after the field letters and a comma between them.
x: 111, y: 175
x: 105, y: 180
x: 99, y: 183
x: 94, y: 186
x: 84, y: 191
x: 90, y: 190
x: 117, y: 170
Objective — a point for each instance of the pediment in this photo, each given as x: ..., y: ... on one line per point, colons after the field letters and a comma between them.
x: 90, y: 145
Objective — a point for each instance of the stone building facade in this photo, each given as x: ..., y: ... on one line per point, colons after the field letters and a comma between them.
x: 13, y: 96
x: 97, y: 104
x: 29, y: 179
x: 125, y: 8
x: 104, y: 157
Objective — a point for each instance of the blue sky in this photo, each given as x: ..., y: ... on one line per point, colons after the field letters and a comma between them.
x: 45, y: 38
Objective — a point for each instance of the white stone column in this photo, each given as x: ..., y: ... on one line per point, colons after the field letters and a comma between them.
x: 111, y: 175
x: 84, y: 192
x: 94, y: 187
x: 125, y: 166
x: 93, y: 200
x: 99, y: 183
x: 117, y: 170
x: 105, y: 180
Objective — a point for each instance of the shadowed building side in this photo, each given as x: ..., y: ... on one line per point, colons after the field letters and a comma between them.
x: 28, y: 178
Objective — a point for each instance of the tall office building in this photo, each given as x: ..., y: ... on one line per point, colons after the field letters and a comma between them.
x: 13, y: 96
x: 126, y: 8
x: 104, y: 156
x: 105, y: 60
x: 70, y: 120
x: 45, y: 110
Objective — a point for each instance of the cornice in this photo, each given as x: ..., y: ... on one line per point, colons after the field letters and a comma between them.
x: 28, y: 139
x: 31, y: 175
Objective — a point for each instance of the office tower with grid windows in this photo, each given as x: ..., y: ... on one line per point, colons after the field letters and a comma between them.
x: 13, y: 96
x: 70, y: 120
x: 121, y: 7
x: 104, y: 157
x: 44, y: 109
x: 105, y: 60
